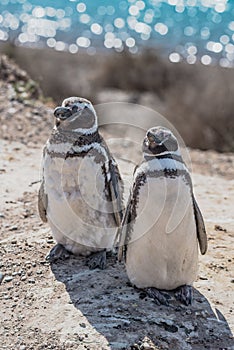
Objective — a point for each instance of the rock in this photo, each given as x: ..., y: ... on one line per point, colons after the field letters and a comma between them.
x: 19, y: 79
x: 8, y: 278
x: 219, y: 228
x: 1, y: 277
x: 31, y: 280
x: 13, y: 228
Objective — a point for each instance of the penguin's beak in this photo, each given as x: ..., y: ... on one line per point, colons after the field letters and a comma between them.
x: 62, y: 113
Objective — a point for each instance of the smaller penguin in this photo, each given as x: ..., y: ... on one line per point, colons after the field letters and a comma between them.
x: 81, y: 194
x: 162, y: 224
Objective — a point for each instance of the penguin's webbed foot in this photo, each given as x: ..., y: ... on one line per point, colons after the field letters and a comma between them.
x: 184, y: 294
x: 57, y: 252
x: 97, y: 260
x: 160, y: 298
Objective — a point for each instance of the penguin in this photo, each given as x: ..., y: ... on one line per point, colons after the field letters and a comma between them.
x: 162, y: 225
x: 81, y: 192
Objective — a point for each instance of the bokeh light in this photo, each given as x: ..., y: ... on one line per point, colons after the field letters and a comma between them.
x: 201, y: 28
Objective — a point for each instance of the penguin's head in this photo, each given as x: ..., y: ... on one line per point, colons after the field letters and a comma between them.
x: 76, y: 114
x: 159, y: 140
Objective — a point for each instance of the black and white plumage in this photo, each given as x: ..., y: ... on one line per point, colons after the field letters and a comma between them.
x: 81, y: 190
x: 162, y: 225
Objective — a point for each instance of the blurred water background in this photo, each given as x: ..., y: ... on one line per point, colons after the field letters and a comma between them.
x: 191, y: 30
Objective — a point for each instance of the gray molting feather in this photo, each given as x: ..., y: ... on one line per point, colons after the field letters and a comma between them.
x: 113, y: 180
x: 201, y: 230
x: 42, y: 202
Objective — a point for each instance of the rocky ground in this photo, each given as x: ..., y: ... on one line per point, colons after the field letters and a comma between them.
x: 66, y: 305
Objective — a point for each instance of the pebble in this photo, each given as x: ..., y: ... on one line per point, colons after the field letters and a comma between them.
x: 145, y: 346
x: 8, y: 278
x: 31, y: 280
x: 193, y: 335
x: 1, y: 277
x: 12, y: 110
x: 2, y: 216
x: 69, y: 344
x: 13, y: 228
x: 83, y: 325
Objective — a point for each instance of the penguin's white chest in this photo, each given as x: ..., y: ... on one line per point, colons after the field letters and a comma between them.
x: 78, y: 212
x: 163, y: 252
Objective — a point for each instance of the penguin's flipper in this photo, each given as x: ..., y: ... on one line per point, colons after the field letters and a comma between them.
x: 116, y: 192
x: 123, y: 236
x: 201, y: 231
x: 123, y: 233
x: 42, y: 202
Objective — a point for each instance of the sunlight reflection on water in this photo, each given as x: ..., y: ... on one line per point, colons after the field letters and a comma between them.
x: 189, y: 30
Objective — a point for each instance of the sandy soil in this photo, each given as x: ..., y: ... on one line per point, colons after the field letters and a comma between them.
x: 66, y: 305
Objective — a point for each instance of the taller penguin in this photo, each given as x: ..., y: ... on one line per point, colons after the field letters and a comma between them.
x: 81, y: 191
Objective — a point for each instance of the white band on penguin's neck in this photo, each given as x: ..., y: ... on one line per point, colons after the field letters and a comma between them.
x: 176, y: 153
x: 87, y: 131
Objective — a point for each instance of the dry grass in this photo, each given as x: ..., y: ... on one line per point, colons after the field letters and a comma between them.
x: 205, y: 105
x: 198, y: 100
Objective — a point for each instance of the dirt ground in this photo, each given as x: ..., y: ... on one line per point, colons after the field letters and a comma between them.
x: 67, y: 306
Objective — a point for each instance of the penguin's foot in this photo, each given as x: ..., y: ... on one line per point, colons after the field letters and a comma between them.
x: 184, y: 294
x: 57, y: 252
x: 97, y: 260
x: 160, y: 298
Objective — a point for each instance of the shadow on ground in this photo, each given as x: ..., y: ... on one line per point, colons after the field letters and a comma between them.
x: 130, y: 320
